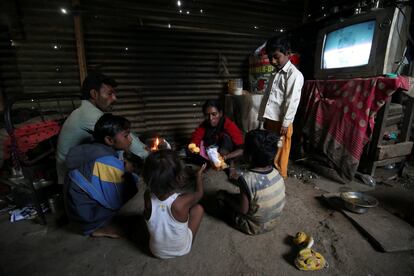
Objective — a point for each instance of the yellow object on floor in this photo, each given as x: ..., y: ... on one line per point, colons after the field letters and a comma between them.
x: 301, y: 238
x: 308, y: 259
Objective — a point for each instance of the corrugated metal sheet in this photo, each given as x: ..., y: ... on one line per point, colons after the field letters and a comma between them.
x: 167, y: 63
x: 44, y: 49
x: 166, y: 75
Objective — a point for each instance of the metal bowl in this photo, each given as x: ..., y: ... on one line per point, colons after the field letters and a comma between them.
x: 358, y: 202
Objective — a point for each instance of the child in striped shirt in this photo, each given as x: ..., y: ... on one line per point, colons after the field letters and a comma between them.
x: 255, y: 209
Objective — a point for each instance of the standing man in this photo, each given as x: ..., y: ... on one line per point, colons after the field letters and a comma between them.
x: 98, y: 95
x: 281, y: 99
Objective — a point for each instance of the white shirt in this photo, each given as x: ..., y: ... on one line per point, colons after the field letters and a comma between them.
x: 168, y: 237
x: 281, y: 99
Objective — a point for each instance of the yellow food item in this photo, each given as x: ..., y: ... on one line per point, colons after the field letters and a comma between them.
x: 303, y: 238
x: 221, y: 165
x: 309, y: 259
x: 193, y: 148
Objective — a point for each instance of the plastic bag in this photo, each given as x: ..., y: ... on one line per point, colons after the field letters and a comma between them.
x: 216, y: 158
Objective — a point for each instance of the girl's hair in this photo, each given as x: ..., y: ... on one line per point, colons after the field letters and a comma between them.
x: 212, y: 103
x: 135, y: 160
x: 162, y: 172
x: 109, y: 125
x: 260, y: 147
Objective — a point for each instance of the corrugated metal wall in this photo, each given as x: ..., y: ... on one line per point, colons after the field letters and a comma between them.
x: 166, y: 62
x: 166, y: 75
x: 44, y: 49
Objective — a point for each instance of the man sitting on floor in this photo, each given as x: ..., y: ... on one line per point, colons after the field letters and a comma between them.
x: 98, y: 93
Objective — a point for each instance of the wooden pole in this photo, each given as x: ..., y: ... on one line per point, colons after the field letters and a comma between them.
x: 80, y: 45
x: 306, y: 11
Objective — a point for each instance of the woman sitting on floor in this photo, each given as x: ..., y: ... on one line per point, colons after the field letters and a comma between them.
x: 217, y: 130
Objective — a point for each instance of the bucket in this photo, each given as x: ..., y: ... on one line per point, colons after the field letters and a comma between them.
x: 235, y: 86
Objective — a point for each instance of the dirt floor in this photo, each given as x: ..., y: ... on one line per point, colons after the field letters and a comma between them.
x: 27, y: 248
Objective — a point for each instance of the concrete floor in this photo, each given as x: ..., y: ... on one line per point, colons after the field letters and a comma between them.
x: 27, y: 248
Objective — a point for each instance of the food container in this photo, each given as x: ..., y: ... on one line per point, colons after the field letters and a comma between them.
x: 235, y: 87
x: 358, y: 202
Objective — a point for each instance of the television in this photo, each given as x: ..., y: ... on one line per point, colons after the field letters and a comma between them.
x: 364, y: 45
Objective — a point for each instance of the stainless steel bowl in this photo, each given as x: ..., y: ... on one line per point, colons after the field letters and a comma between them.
x: 358, y: 202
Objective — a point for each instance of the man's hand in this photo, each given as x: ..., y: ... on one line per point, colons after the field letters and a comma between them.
x: 283, y: 131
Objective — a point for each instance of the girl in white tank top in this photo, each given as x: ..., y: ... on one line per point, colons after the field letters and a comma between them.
x: 172, y: 218
x: 168, y: 237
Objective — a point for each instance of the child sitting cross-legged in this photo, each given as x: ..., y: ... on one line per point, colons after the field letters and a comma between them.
x: 262, y: 189
x: 173, y: 218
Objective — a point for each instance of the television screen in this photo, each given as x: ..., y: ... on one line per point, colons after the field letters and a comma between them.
x: 348, y: 46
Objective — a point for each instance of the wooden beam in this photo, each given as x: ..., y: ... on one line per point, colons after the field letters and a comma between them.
x: 80, y: 45
x: 389, y: 161
x: 408, y: 120
x: 306, y: 11
x: 395, y: 150
x: 378, y: 133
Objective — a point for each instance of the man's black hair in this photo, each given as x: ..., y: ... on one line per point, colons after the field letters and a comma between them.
x: 260, y: 147
x: 277, y: 43
x: 109, y: 125
x: 212, y: 103
x: 94, y: 81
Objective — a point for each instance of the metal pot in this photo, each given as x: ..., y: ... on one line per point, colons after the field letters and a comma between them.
x: 358, y: 202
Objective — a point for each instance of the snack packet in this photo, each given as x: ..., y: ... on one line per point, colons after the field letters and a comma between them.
x: 216, y: 158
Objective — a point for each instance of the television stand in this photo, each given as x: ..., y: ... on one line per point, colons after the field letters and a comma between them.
x: 341, y: 118
x: 390, y: 142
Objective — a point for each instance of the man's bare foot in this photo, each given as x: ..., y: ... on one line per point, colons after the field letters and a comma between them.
x: 108, y: 231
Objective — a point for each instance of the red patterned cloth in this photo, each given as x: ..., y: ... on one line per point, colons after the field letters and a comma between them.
x: 338, y: 116
x: 29, y: 136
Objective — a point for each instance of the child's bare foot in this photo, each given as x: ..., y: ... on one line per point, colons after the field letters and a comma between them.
x: 108, y: 231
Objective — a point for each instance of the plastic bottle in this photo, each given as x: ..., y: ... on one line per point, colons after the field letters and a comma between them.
x: 280, y: 142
